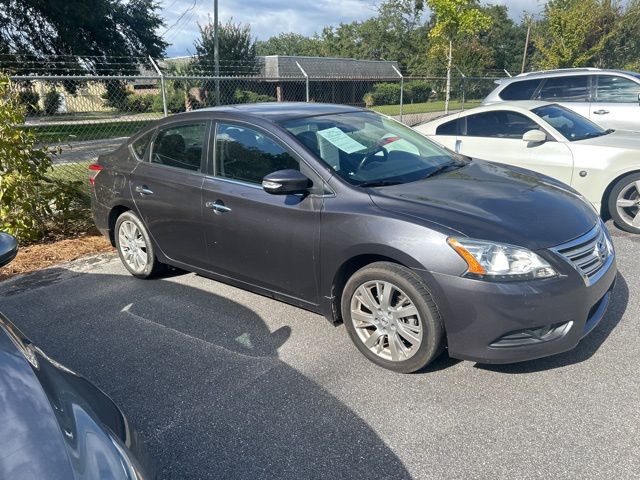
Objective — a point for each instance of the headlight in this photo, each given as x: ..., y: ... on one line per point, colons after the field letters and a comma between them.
x: 499, y: 261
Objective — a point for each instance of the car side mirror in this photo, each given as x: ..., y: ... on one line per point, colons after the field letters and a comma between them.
x: 8, y: 248
x: 284, y: 182
x: 534, y: 136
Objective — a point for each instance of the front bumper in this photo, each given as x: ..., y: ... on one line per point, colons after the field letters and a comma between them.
x: 477, y: 314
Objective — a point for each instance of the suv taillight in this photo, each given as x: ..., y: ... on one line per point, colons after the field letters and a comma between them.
x: 94, y: 167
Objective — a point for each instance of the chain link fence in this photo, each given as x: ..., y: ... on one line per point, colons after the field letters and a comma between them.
x: 80, y: 117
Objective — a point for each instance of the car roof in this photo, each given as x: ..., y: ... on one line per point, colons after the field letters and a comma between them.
x: 567, y: 72
x: 278, y: 111
x: 519, y: 105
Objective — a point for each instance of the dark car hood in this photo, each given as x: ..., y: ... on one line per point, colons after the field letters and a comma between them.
x: 494, y: 202
x: 53, y: 421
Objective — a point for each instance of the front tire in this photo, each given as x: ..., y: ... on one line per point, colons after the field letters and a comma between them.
x: 624, y: 203
x: 391, y: 317
x: 135, y: 247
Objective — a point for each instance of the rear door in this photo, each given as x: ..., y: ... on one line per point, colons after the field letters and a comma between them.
x: 572, y: 92
x: 271, y: 241
x: 497, y: 136
x: 167, y: 190
x: 447, y: 134
x: 616, y: 102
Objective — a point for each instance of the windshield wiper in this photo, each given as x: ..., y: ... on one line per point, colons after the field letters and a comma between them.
x: 379, y: 183
x: 440, y: 169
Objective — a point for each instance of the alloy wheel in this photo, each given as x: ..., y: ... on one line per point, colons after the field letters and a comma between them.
x: 386, y: 320
x: 628, y: 204
x: 132, y: 246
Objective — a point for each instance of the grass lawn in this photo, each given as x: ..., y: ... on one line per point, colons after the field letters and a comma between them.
x: 425, y: 107
x: 85, y: 131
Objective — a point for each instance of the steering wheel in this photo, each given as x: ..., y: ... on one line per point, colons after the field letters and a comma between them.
x: 370, y: 156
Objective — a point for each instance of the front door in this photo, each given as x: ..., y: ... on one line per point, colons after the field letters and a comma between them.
x: 497, y: 136
x: 167, y: 191
x: 270, y: 241
x: 616, y: 104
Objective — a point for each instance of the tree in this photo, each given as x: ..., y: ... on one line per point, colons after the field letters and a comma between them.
x: 623, y: 47
x: 87, y: 33
x: 453, y: 20
x: 236, y: 49
x: 574, y: 33
x: 288, y: 44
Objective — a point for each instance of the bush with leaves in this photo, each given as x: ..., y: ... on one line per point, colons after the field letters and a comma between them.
x: 383, y: 94
x: 30, y: 202
x: 52, y: 102
x: 29, y: 100
x: 247, y: 96
x: 417, y: 91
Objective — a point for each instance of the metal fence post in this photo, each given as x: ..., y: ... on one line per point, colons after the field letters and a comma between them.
x: 162, y: 86
x: 306, y: 79
x: 401, y: 91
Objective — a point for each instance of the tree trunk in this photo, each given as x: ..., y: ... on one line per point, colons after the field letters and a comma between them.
x: 448, y: 90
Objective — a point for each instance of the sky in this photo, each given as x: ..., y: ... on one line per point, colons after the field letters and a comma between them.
x: 271, y: 17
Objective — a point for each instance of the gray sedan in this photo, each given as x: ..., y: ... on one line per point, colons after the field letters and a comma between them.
x: 350, y: 214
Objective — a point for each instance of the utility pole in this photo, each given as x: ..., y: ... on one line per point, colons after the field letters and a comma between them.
x: 526, y: 44
x: 216, y: 59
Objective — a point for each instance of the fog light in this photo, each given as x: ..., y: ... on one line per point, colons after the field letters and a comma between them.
x: 532, y: 336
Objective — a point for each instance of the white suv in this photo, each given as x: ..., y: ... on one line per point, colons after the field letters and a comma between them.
x: 610, y: 98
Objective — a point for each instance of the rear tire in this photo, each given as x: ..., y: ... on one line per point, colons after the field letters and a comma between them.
x: 624, y: 203
x: 391, y: 317
x: 135, y: 247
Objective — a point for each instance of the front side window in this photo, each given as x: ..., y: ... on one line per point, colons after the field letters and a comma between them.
x: 520, y: 90
x: 140, y: 144
x: 499, y: 124
x: 180, y: 146
x: 565, y: 89
x: 247, y: 155
x: 571, y: 125
x: 368, y: 149
x: 612, y: 89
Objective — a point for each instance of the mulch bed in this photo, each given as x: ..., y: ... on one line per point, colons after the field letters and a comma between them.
x: 43, y: 255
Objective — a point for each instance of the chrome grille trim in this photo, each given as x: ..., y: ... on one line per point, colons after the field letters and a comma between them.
x: 590, y: 254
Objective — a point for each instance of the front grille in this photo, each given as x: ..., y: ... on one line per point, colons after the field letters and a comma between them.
x: 588, y: 254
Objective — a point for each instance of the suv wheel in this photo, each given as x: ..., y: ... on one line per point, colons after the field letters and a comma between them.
x: 392, y: 318
x: 135, y: 248
x: 624, y: 203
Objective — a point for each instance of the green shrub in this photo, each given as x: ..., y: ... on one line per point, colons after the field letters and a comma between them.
x: 141, y: 103
x: 416, y: 91
x: 29, y: 100
x: 30, y: 202
x: 247, y: 96
x: 52, y: 101
x: 383, y: 94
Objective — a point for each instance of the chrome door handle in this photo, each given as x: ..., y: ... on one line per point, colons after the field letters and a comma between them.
x: 144, y: 190
x: 217, y: 207
x: 601, y: 112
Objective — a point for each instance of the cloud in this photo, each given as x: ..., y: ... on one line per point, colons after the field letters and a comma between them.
x: 271, y: 17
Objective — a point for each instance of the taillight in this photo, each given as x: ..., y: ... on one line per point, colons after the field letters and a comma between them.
x: 94, y: 167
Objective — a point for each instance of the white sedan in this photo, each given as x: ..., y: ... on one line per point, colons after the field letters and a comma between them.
x: 603, y: 165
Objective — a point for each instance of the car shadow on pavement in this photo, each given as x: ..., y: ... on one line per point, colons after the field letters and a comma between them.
x: 199, y: 376
x: 587, y: 347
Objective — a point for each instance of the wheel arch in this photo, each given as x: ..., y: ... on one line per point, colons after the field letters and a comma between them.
x: 604, y: 205
x: 114, y: 213
x: 355, y: 262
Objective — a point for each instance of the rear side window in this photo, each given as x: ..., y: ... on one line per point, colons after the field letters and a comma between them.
x: 247, y: 155
x: 449, y: 128
x: 522, y: 90
x: 565, y: 89
x: 180, y: 146
x: 612, y: 89
x: 139, y: 145
x: 499, y: 124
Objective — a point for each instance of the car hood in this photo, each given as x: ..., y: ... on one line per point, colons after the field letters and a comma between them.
x: 618, y: 139
x: 53, y: 421
x: 494, y: 202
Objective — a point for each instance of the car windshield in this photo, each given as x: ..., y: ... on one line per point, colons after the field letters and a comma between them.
x: 570, y: 124
x: 367, y: 149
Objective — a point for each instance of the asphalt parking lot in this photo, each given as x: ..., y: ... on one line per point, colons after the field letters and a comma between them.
x: 223, y: 383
